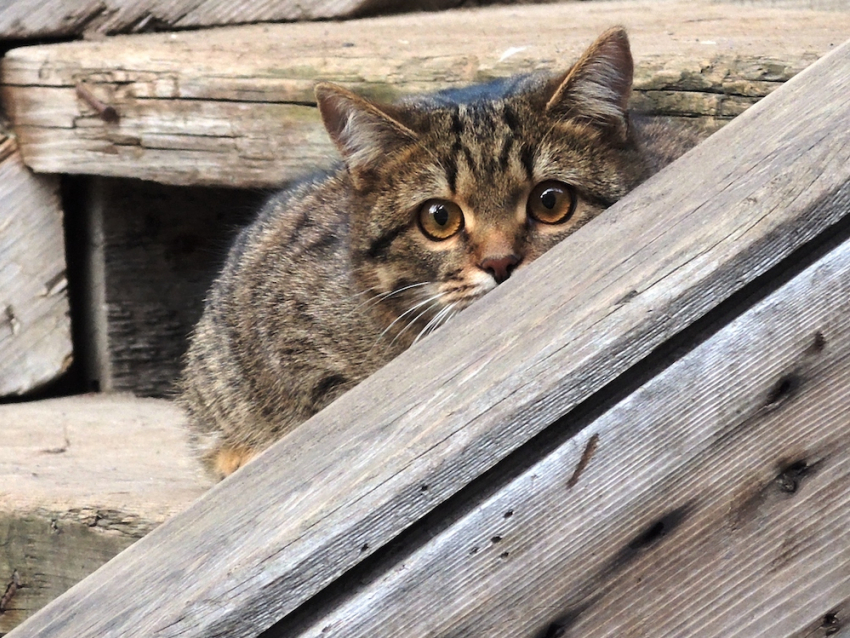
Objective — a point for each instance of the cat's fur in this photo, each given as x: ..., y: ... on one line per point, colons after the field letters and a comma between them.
x: 336, y: 277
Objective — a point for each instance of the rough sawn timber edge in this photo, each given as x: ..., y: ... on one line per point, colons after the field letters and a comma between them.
x: 384, y: 455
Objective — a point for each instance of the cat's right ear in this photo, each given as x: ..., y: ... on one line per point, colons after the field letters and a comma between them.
x: 597, y: 87
x: 361, y: 130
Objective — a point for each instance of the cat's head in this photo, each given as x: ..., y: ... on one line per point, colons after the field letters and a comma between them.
x: 451, y: 193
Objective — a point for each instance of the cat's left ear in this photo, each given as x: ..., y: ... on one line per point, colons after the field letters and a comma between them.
x: 598, y: 86
x: 363, y: 132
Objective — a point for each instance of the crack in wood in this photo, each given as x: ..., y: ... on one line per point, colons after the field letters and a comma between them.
x: 11, y: 590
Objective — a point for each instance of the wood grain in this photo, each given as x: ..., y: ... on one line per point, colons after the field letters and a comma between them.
x: 35, y: 329
x: 178, y: 239
x: 716, y: 504
x: 234, y: 106
x: 98, y: 18
x: 384, y: 455
x: 81, y: 479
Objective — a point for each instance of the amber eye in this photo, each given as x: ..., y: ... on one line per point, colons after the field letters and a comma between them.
x: 439, y: 219
x: 552, y: 202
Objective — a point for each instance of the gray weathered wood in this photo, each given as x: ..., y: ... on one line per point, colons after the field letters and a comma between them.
x: 348, y: 481
x: 235, y: 106
x: 35, y: 329
x: 158, y: 250
x: 748, y: 548
x: 98, y: 18
x: 83, y: 478
x: 817, y: 5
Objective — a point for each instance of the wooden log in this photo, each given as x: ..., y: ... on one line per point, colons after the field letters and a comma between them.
x: 712, y: 502
x: 93, y: 19
x: 35, y: 329
x: 83, y: 478
x: 350, y: 480
x: 235, y: 106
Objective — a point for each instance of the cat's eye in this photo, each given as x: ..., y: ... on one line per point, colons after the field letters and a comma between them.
x: 552, y: 202
x: 440, y: 219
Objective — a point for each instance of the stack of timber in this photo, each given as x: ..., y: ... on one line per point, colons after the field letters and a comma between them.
x: 83, y: 478
x: 35, y: 327
x: 234, y: 107
x: 643, y: 433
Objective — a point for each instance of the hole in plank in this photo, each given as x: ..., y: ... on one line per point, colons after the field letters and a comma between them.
x: 783, y: 389
x: 658, y: 529
x: 819, y: 342
x: 831, y: 625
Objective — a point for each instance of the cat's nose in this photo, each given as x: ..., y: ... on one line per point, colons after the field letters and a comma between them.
x: 500, y: 267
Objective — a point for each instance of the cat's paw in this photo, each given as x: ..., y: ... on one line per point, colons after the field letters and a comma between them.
x: 227, y: 460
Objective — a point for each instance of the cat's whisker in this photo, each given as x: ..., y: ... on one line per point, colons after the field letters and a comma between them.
x: 386, y: 295
x: 434, y: 323
x: 402, y: 316
x: 448, y: 317
x: 445, y: 318
x: 416, y: 318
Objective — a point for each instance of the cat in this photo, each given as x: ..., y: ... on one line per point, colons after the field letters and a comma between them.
x: 438, y: 200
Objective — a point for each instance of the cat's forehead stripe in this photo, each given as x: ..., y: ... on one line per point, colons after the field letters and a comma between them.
x: 378, y: 247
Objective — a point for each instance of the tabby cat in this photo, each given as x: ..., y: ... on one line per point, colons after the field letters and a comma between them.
x: 438, y: 200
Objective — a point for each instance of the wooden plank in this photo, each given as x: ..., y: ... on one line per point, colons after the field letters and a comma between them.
x: 83, y: 478
x: 35, y: 329
x: 818, y: 5
x: 384, y: 455
x: 98, y: 18
x: 159, y: 248
x: 712, y: 502
x: 235, y: 106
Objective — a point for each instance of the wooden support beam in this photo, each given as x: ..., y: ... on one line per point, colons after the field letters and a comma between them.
x: 99, y: 18
x: 82, y: 478
x: 35, y: 327
x: 260, y: 544
x: 235, y: 107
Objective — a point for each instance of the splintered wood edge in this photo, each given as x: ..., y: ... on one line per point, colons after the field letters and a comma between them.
x: 35, y: 326
x: 233, y: 106
x: 351, y: 479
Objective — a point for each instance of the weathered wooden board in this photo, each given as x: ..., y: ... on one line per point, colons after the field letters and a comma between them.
x: 98, y: 18
x: 234, y: 106
x: 35, y: 329
x: 351, y: 479
x: 818, y: 5
x: 82, y: 478
x: 156, y: 251
x: 712, y: 502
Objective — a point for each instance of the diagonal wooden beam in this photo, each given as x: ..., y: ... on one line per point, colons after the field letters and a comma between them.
x: 713, y: 502
x: 350, y: 480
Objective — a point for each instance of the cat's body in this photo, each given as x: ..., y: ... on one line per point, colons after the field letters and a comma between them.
x: 441, y: 197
